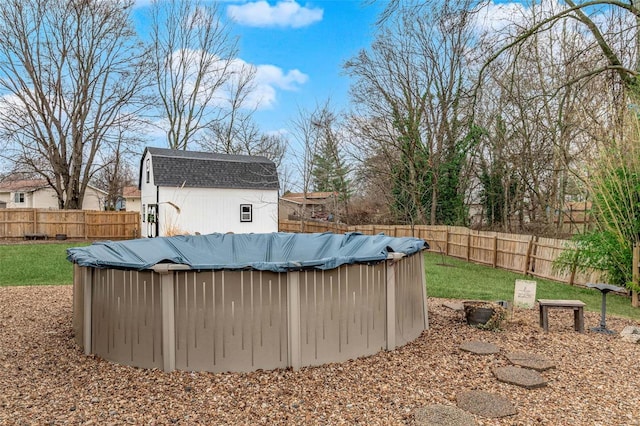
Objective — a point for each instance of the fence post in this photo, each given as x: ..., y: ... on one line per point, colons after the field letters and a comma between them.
x: 527, y: 257
x: 495, y: 250
x: 35, y: 221
x: 86, y: 225
x: 635, y: 298
x: 446, y: 241
x: 574, y: 267
x: 468, y: 244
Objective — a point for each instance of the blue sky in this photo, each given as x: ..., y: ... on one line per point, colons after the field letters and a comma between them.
x: 298, y: 49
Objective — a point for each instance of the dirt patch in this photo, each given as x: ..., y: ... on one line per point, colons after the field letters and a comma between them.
x: 45, y: 378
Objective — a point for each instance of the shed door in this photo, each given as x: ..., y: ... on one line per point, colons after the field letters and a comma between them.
x: 152, y: 220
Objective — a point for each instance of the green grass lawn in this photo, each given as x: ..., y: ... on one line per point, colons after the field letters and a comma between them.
x: 44, y: 264
x: 36, y: 264
x: 462, y: 280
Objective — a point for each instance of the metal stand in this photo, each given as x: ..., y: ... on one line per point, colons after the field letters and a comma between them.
x: 604, y: 289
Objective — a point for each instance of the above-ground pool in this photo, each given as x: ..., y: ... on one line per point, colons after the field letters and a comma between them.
x: 242, y: 302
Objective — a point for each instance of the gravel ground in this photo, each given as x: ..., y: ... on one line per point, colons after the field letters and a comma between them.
x: 45, y: 379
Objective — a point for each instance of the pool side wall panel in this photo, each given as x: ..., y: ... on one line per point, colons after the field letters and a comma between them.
x: 411, y: 313
x: 238, y: 320
x: 230, y: 320
x: 342, y: 313
x: 127, y: 317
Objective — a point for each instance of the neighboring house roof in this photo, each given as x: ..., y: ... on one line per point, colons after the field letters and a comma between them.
x: 209, y: 170
x: 311, y: 197
x: 131, y: 192
x: 24, y: 185
x: 31, y: 185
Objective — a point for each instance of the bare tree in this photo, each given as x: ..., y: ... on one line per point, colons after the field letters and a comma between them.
x: 193, y: 58
x: 606, y: 39
x: 115, y: 176
x: 70, y: 75
x: 306, y: 135
x: 330, y: 171
x: 410, y: 90
x: 240, y: 134
x: 544, y: 111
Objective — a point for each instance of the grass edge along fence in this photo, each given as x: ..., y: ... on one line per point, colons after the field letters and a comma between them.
x: 87, y: 224
x: 525, y: 254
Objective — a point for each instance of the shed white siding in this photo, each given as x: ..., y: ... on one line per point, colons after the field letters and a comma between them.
x: 207, y: 210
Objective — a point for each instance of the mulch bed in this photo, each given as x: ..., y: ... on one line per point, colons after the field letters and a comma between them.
x: 46, y: 379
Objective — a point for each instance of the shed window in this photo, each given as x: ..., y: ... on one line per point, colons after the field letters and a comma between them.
x: 18, y: 197
x: 246, y: 212
x: 148, y: 169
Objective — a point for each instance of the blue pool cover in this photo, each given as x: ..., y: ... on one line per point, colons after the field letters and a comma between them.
x: 277, y: 252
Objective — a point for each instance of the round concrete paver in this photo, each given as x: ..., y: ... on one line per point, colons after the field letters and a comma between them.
x: 523, y: 377
x: 442, y: 415
x: 480, y: 348
x: 485, y: 404
x: 533, y: 361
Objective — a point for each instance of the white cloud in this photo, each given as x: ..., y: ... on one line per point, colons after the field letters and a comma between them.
x: 270, y: 74
x: 270, y: 78
x: 283, y: 14
x: 495, y: 17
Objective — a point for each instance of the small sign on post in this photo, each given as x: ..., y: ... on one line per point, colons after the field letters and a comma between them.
x: 524, y: 295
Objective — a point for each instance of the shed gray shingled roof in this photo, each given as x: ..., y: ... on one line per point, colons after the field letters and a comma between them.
x: 209, y: 170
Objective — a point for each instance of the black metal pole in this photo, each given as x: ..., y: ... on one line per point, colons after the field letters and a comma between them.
x: 603, y: 324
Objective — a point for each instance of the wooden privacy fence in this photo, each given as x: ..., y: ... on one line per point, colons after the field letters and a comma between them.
x: 524, y: 254
x: 93, y: 225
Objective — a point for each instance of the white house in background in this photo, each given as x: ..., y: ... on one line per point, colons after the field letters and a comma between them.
x: 131, y: 196
x: 37, y: 194
x: 186, y: 192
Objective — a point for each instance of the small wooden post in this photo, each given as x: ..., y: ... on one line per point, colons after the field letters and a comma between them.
x: 635, y: 297
x: 468, y: 244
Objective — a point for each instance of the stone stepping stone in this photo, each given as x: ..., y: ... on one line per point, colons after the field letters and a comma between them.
x: 485, y: 404
x: 480, y: 348
x: 533, y: 361
x: 443, y: 415
x: 455, y: 306
x: 518, y: 376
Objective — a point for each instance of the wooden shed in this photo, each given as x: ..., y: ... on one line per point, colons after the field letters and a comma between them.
x: 188, y: 192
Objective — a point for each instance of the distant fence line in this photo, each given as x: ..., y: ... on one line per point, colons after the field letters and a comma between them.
x: 524, y: 254
x: 92, y: 225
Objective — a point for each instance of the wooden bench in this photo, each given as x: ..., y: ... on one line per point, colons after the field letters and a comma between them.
x: 36, y: 236
x: 576, y: 305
